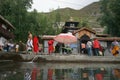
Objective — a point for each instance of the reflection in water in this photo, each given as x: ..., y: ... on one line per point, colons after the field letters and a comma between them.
x: 99, y: 73
x: 34, y: 74
x: 27, y: 75
x: 50, y: 74
x: 116, y: 73
x: 46, y: 71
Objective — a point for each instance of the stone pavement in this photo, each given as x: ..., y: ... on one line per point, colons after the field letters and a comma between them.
x: 78, y: 58
x: 58, y: 57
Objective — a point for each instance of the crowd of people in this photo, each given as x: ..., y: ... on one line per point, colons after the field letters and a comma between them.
x: 32, y: 45
x: 7, y: 46
x: 92, y: 48
x: 13, y: 47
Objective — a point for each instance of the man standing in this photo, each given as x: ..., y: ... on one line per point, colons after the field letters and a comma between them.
x: 96, y: 46
x: 89, y: 48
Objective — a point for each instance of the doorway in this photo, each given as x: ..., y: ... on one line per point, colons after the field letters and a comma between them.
x: 83, y: 40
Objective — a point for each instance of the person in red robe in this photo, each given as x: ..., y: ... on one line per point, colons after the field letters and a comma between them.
x: 99, y: 74
x: 50, y: 46
x: 34, y: 74
x: 50, y: 74
x: 35, y: 44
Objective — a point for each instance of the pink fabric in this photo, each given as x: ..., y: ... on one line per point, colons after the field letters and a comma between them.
x: 65, y: 38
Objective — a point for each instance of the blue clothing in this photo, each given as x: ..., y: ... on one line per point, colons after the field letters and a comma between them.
x: 96, y: 51
x: 89, y: 50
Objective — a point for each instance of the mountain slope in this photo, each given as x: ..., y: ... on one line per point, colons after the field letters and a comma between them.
x: 90, y: 13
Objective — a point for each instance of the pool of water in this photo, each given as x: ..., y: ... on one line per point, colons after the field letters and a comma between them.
x: 58, y: 71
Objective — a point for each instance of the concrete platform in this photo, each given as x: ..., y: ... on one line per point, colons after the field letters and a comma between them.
x: 75, y: 58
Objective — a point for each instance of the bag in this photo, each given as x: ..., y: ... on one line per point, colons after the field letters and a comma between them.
x: 100, y: 53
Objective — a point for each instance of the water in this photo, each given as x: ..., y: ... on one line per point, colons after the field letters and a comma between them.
x: 58, y: 71
x: 33, y: 59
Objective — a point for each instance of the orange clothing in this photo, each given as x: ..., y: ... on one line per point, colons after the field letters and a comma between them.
x: 115, y: 50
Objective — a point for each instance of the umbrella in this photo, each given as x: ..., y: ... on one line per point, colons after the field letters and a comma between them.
x: 66, y: 38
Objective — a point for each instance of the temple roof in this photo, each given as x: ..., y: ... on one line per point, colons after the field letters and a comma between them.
x: 6, y: 22
x: 108, y: 38
x: 85, y: 28
x: 48, y: 37
x: 71, y: 22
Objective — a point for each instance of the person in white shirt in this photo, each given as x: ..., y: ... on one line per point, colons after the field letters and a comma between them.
x: 89, y: 48
x: 16, y: 47
x: 29, y: 44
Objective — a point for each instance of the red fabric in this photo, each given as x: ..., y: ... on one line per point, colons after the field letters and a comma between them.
x: 34, y: 74
x: 99, y: 76
x: 50, y: 46
x: 50, y: 74
x: 35, y: 44
x: 96, y: 44
x: 100, y: 48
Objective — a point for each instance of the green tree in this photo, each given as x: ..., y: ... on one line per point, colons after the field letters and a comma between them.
x: 46, y: 25
x: 57, y: 21
x: 111, y: 17
x: 16, y: 12
x: 37, y: 23
x: 33, y: 22
x: 83, y: 22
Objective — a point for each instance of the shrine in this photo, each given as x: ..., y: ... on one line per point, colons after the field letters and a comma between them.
x: 6, y: 29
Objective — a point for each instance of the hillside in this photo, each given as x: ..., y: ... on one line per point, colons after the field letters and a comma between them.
x: 89, y: 13
x: 92, y: 13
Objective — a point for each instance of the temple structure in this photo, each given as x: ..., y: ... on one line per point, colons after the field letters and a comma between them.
x: 83, y: 34
x: 6, y: 29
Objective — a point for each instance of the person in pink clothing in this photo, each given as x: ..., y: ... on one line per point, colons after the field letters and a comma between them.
x: 96, y: 46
